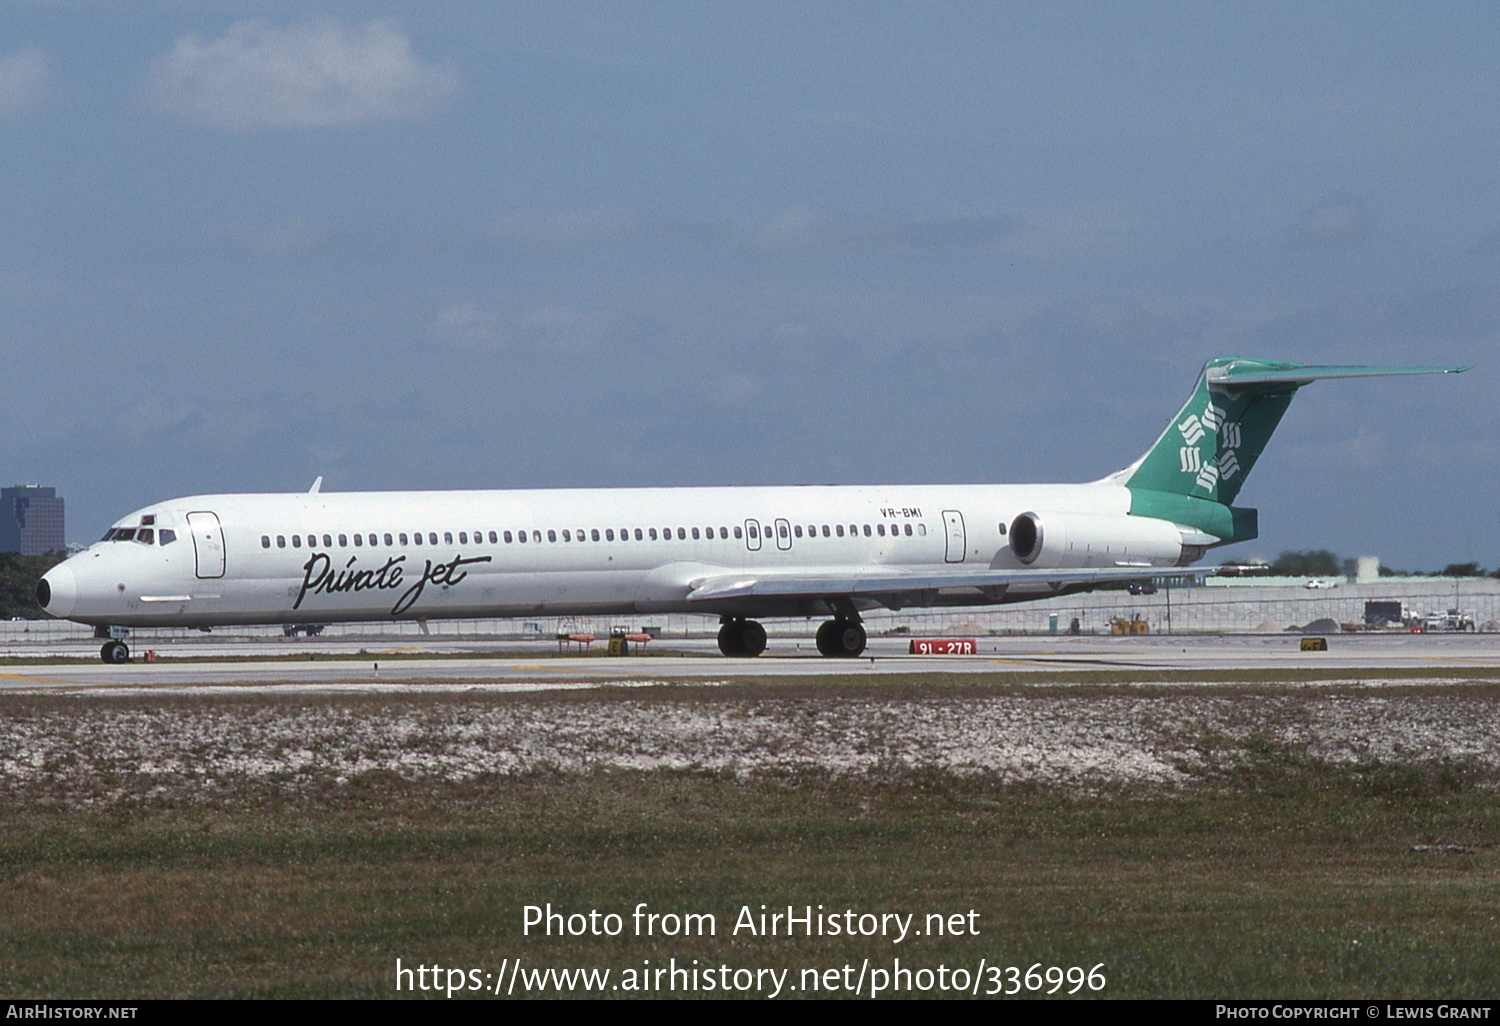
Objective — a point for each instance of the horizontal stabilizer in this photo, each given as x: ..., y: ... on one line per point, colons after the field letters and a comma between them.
x: 1257, y: 372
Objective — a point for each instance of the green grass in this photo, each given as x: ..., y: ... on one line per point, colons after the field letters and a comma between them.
x: 1269, y: 873
x: 1270, y: 877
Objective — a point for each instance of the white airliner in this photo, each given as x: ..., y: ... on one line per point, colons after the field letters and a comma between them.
x: 742, y: 553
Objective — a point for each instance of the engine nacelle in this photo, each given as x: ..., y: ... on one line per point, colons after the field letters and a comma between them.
x: 1093, y: 539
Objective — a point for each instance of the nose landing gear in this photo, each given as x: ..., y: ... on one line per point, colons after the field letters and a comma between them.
x: 115, y: 650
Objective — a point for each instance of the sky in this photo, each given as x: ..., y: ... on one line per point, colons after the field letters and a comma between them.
x: 478, y: 245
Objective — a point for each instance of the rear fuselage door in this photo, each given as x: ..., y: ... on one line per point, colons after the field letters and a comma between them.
x: 208, y: 543
x: 953, y: 524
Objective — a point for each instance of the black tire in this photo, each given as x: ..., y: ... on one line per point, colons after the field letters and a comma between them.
x: 752, y: 638
x: 115, y: 652
x: 731, y: 636
x: 841, y: 639
x: 828, y: 641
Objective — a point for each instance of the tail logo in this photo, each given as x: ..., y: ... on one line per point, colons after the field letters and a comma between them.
x: 1222, y: 464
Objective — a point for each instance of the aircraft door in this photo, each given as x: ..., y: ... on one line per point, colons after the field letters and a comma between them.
x: 752, y: 536
x: 783, y: 534
x: 953, y: 523
x: 208, y: 543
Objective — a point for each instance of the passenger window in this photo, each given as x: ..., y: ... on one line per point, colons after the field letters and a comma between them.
x: 146, y: 536
x: 493, y: 539
x: 594, y: 533
x: 552, y: 536
x: 328, y: 541
x: 738, y: 533
x: 797, y: 530
x: 695, y: 534
x: 682, y: 534
x: 521, y: 537
x: 825, y: 531
x: 447, y: 538
x: 463, y: 537
x: 609, y: 534
x: 417, y: 537
x: 754, y: 532
x: 280, y: 541
x: 652, y: 534
x: 922, y: 530
x: 639, y: 536
x: 168, y: 536
x: 536, y: 536
x: 1002, y: 530
x: 908, y: 530
x: 867, y: 530
x: 265, y: 541
x: 296, y: 541
x: 880, y: 530
x: 507, y: 537
x: 839, y: 529
x: 432, y: 537
x: 566, y: 535
x: 781, y: 530
x: 343, y: 541
x: 359, y: 540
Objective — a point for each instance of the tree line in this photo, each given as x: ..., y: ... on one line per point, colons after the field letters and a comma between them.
x: 18, y: 577
x: 1322, y: 563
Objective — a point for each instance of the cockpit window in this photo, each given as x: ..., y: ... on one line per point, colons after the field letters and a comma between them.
x: 168, y: 536
x: 146, y: 536
x: 124, y: 534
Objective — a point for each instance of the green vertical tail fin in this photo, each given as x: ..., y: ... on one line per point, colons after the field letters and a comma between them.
x: 1198, y: 464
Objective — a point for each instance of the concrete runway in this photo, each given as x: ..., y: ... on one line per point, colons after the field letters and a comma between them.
x: 529, y: 665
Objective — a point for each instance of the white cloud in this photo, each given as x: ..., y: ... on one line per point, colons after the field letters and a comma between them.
x: 466, y: 326
x: 283, y: 238
x: 547, y: 329
x: 25, y: 82
x: 1339, y: 221
x: 610, y: 225
x: 801, y: 229
x: 312, y: 75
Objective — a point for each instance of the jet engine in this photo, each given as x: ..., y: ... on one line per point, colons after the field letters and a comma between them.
x: 1093, y: 539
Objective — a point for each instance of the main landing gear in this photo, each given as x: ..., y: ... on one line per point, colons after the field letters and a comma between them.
x: 841, y: 638
x: 739, y: 637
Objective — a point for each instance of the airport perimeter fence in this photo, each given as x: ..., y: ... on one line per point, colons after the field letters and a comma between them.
x: 1220, y: 607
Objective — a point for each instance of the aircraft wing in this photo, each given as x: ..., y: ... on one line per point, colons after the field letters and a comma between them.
x: 872, y: 582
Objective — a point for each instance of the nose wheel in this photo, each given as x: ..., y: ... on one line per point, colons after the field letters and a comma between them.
x: 841, y: 639
x: 115, y: 652
x: 742, y: 638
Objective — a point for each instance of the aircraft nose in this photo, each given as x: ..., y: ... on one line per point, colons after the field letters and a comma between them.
x: 57, y: 591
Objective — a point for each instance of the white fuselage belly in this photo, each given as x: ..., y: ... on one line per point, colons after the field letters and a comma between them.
x: 259, y: 576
